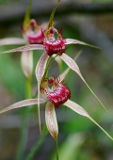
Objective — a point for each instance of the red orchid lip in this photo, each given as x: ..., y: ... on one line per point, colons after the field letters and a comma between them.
x: 36, y: 38
x: 55, y: 46
x: 59, y: 95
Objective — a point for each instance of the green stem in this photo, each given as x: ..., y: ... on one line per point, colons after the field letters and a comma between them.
x: 25, y: 117
x: 57, y: 155
x: 37, y: 145
x: 39, y: 83
x: 50, y: 60
x: 38, y: 109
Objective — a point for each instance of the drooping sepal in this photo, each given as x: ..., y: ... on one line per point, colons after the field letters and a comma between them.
x: 78, y: 109
x: 25, y: 48
x: 51, y: 120
x: 13, y: 41
x: 62, y: 76
x: 40, y: 68
x: 72, y: 65
x: 75, y: 41
x: 20, y: 104
x: 27, y: 63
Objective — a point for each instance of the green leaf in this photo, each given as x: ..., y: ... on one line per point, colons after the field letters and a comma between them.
x: 70, y: 147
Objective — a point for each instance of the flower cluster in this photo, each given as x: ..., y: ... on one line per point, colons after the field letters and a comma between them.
x: 50, y: 90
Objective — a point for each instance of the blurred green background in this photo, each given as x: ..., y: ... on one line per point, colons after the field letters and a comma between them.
x: 79, y: 139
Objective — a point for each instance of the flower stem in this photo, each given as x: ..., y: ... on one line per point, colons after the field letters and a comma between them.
x: 25, y: 117
x: 49, y: 62
x: 38, y: 109
x: 37, y: 145
x: 57, y: 155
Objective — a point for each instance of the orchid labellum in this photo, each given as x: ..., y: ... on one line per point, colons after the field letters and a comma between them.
x: 54, y: 96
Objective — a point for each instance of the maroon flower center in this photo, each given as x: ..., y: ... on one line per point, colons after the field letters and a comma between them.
x: 36, y: 37
x: 59, y: 95
x: 54, y: 45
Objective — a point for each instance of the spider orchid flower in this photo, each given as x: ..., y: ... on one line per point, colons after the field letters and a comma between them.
x: 32, y: 34
x: 52, y: 46
x: 54, y: 93
x: 38, y: 37
x: 56, y: 47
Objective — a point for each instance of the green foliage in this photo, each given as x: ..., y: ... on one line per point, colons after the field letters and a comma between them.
x: 69, y: 149
x: 11, y: 74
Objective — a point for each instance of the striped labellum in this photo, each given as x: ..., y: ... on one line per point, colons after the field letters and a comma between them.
x: 59, y: 93
x: 36, y: 38
x: 54, y: 45
x: 35, y: 33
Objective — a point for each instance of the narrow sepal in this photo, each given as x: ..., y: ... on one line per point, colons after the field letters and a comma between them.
x: 26, y: 48
x: 59, y: 61
x: 72, y: 64
x: 9, y: 41
x: 51, y: 120
x: 78, y: 109
x: 52, y: 16
x: 41, y: 66
x: 27, y: 63
x: 27, y: 16
x: 75, y: 41
x: 62, y: 76
x: 39, y: 73
x: 20, y: 104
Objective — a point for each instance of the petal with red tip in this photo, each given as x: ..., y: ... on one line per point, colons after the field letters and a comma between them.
x: 9, y: 41
x: 26, y: 48
x: 20, y: 104
x: 51, y: 120
x: 72, y: 64
x: 78, y: 109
